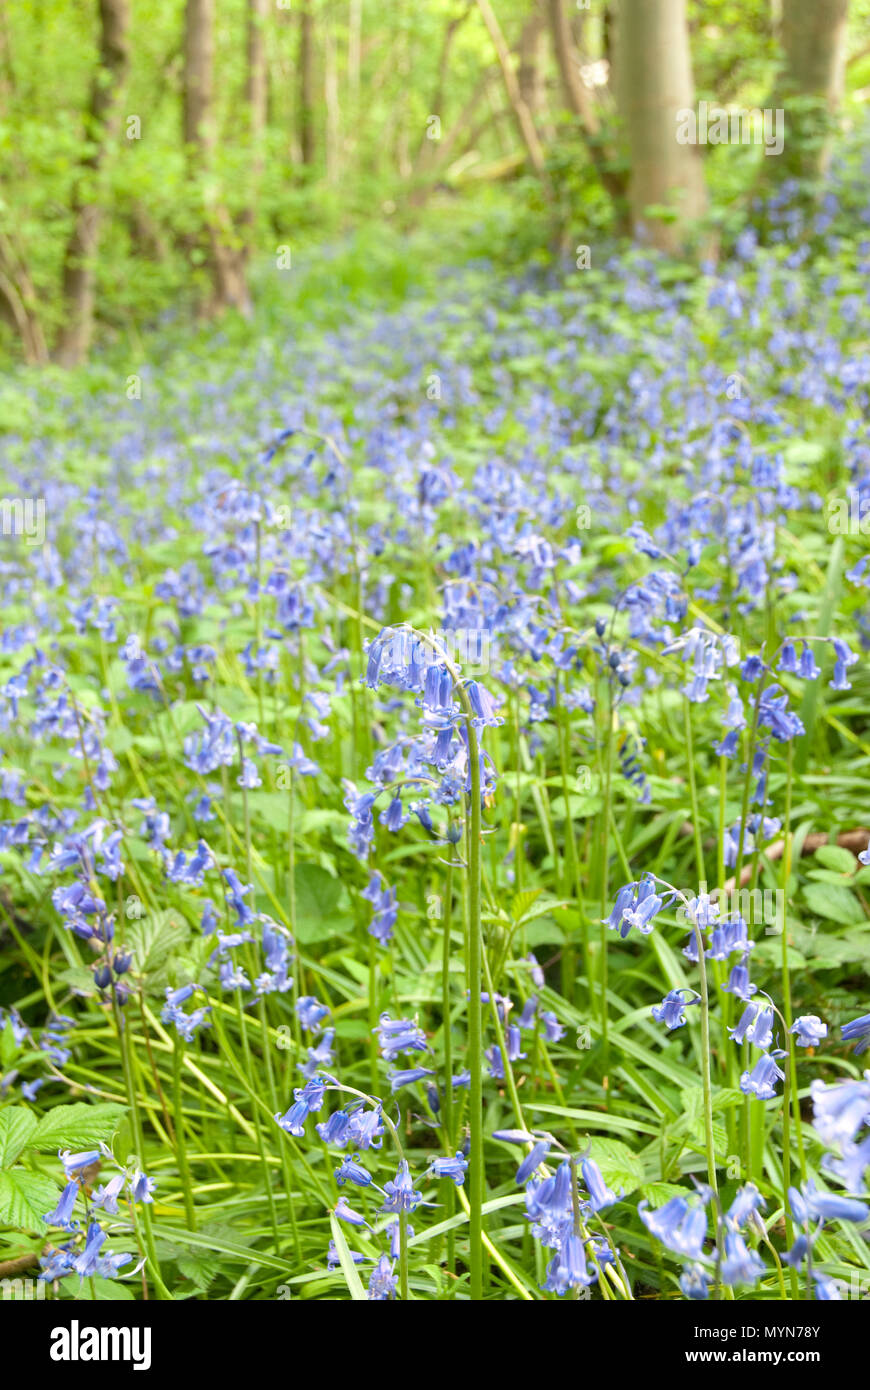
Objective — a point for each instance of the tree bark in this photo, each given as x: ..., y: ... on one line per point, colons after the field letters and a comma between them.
x: 813, y: 39
x: 654, y: 83
x: 226, y: 255
x: 577, y: 95
x: 530, y: 77
x: 522, y: 114
x: 257, y: 99
x: 19, y: 305
x: 331, y: 102
x: 103, y: 122
x: 306, y: 83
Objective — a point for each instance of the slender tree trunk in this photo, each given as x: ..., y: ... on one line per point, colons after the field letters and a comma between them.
x: 581, y: 102
x: 103, y: 120
x: 306, y: 83
x: 257, y: 98
x: 19, y: 304
x: 530, y: 74
x: 522, y: 114
x: 354, y: 51
x: 428, y: 152
x: 654, y: 83
x: 226, y: 258
x: 577, y: 94
x: 810, y: 88
x: 331, y: 102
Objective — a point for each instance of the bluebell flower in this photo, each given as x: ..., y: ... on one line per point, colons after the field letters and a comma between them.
x: 319, y: 1056
x: 670, y: 1010
x: 62, y: 1214
x: 826, y: 1289
x: 858, y: 1029
x: 394, y: 1228
x: 333, y: 1259
x: 382, y: 1281
x: 74, y: 1162
x: 740, y: 1265
x: 747, y: 1200
x: 755, y: 1025
x: 311, y: 1012
x: 680, y: 1225
x: 568, y: 1270
x: 800, y: 1249
x: 738, y: 982
x: 695, y: 1282
x: 107, y: 1196
x: 399, y: 1192
x: 450, y: 1168
x: 840, y: 1109
x: 346, y: 1213
x: 761, y: 1080
x: 809, y: 1030
x: 830, y: 1206
x: 527, y: 1017
x: 845, y: 658
x: 532, y: 1160
x: 600, y: 1195
x: 88, y: 1262
x: 553, y: 1029
x: 141, y: 1187
x: 351, y: 1170
x: 407, y: 1076
x: 396, y: 1036
x: 727, y: 937
x: 852, y: 1164
x: 367, y: 1128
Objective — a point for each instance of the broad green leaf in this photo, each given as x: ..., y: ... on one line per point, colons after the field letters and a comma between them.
x: 25, y: 1198
x: 317, y: 896
x: 621, y: 1169
x: 16, y: 1127
x: 836, y: 857
x: 76, y: 1126
x: 835, y: 903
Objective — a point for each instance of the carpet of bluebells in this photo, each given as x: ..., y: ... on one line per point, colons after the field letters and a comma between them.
x: 434, y: 794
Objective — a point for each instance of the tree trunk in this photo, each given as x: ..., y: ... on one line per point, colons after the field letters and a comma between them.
x: 19, y: 305
x: 522, y: 114
x: 257, y: 98
x: 581, y: 102
x: 306, y: 83
x: 530, y: 75
x: 811, y: 85
x: 331, y: 102
x: 354, y: 51
x: 103, y: 123
x: 577, y: 95
x: 654, y: 83
x: 225, y: 256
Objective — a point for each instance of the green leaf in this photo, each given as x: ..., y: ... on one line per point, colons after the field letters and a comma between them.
x: 317, y: 895
x: 836, y: 857
x: 76, y: 1126
x: 836, y: 904
x: 621, y: 1169
x: 8, y: 1046
x: 25, y: 1198
x: 152, y: 939
x: 16, y: 1127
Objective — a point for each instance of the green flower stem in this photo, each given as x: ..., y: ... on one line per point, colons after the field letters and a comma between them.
x: 180, y: 1139
x: 447, y: 1032
x: 605, y: 868
x: 475, y: 1029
